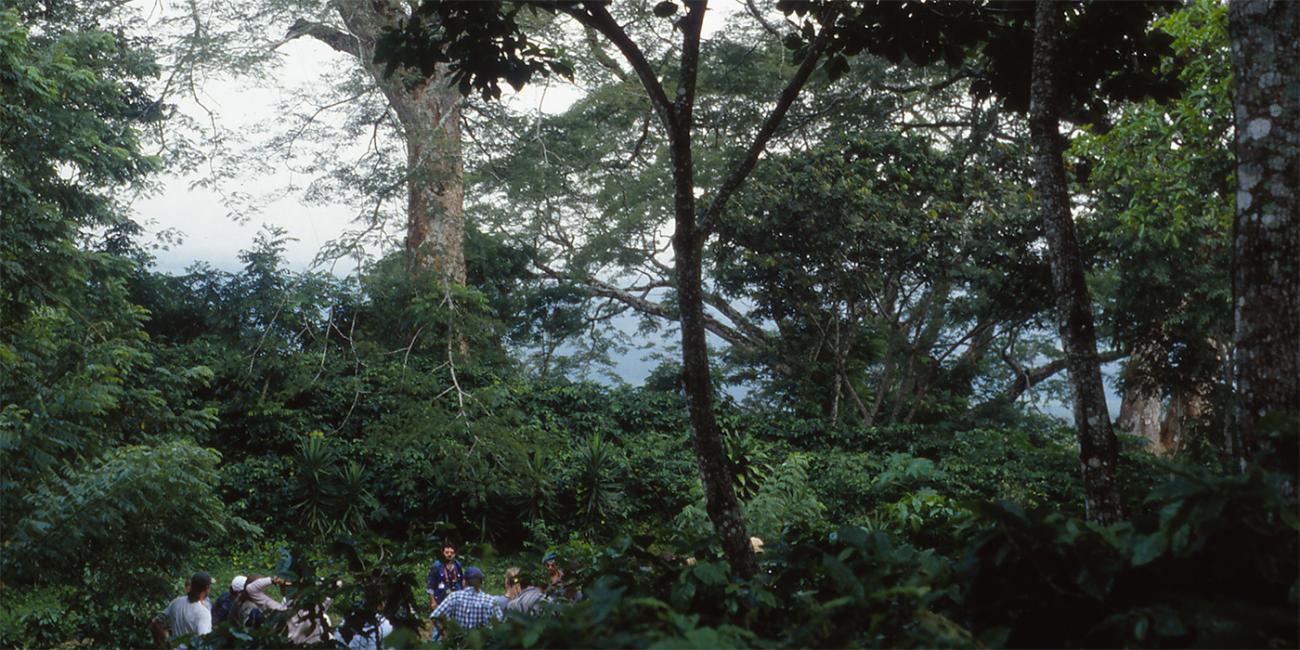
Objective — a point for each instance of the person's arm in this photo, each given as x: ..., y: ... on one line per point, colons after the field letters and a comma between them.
x: 256, y: 591
x: 431, y: 583
x: 444, y: 607
x: 160, y: 633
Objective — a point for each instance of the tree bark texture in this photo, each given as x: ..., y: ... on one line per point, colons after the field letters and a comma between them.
x: 688, y: 251
x: 1098, y: 446
x: 1140, y: 410
x: 1266, y: 230
x: 429, y: 113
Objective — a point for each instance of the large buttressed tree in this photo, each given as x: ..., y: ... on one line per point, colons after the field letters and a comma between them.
x: 410, y: 123
x: 429, y: 114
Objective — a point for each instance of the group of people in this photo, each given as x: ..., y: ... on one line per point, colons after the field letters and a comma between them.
x: 456, y: 594
x: 244, y: 606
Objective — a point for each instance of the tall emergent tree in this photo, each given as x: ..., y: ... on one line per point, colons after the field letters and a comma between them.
x: 1266, y: 230
x: 412, y: 123
x: 428, y: 111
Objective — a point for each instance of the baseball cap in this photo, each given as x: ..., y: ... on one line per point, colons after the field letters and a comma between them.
x: 473, y: 572
x: 238, y: 583
x: 550, y: 557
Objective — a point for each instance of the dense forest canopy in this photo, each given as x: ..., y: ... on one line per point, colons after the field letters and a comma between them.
x: 873, y: 235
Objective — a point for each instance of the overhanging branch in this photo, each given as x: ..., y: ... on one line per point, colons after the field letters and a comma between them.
x: 773, y: 121
x: 335, y: 38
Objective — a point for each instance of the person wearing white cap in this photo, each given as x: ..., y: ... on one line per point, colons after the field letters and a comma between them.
x: 225, y: 605
x: 246, y: 614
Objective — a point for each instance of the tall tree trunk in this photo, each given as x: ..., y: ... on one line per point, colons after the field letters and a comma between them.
x: 688, y: 251
x: 1186, y: 406
x: 691, y: 232
x: 429, y: 111
x: 1266, y: 233
x: 1098, y: 447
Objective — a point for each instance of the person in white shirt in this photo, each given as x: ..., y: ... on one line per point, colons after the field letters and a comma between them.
x: 186, y: 614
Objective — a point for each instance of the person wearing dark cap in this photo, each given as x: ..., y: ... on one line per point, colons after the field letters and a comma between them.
x: 186, y: 614
x: 554, y: 575
x: 469, y: 607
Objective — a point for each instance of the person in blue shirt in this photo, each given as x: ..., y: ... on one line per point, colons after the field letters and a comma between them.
x: 445, y: 576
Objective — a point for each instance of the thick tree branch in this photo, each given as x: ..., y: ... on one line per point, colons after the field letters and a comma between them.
x: 691, y: 26
x: 603, y: 58
x: 335, y: 38
x: 1027, y: 378
x: 758, y: 15
x: 597, y: 17
x: 773, y: 121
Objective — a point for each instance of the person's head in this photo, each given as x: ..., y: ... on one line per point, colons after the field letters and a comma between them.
x: 474, y: 577
x: 448, y: 551
x: 512, y: 580
x: 530, y: 578
x: 237, y: 585
x: 199, y: 586
x: 552, y: 562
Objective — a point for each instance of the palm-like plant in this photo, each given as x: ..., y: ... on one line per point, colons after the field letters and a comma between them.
x: 329, y: 496
x: 598, y: 492
x: 750, y: 460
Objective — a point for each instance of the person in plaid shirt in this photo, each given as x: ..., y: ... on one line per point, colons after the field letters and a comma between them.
x: 469, y: 607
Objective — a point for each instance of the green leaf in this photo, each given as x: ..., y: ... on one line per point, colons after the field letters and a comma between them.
x: 1149, y: 549
x: 710, y: 573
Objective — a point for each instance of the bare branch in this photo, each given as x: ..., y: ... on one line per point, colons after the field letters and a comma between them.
x: 1028, y: 378
x: 335, y: 38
